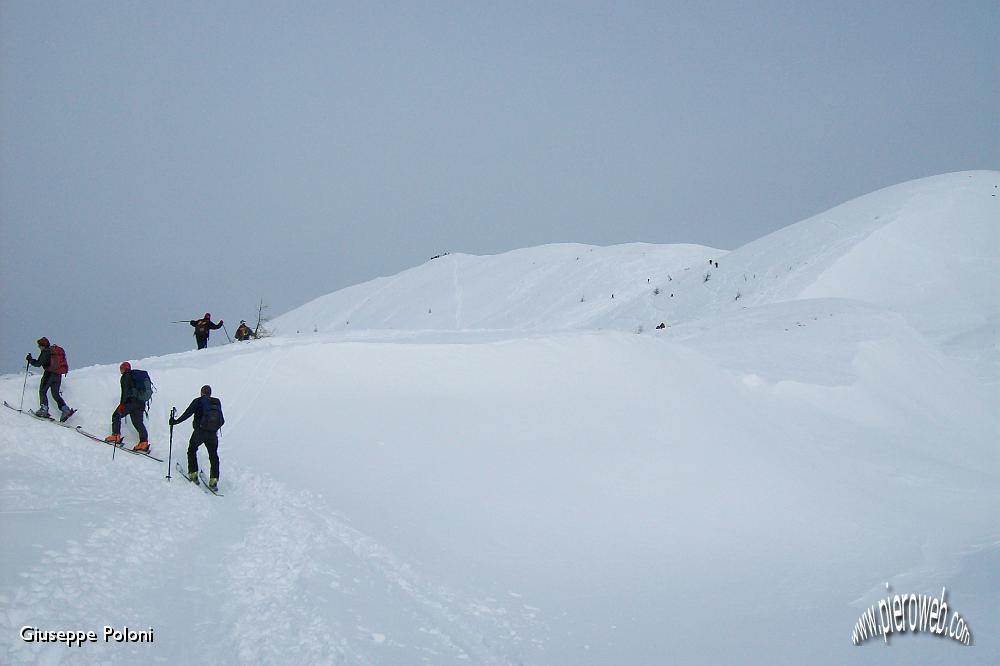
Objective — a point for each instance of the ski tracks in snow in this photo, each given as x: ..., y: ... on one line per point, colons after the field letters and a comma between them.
x: 459, y: 297
x: 97, y: 569
x: 306, y: 587
x: 265, y: 575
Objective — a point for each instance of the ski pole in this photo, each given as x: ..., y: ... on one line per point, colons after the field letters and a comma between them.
x: 170, y: 451
x: 227, y: 333
x: 26, y: 365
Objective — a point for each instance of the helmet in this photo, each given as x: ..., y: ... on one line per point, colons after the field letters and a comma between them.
x: 125, y: 366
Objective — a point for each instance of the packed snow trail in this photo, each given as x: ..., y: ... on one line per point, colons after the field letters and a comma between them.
x: 265, y: 575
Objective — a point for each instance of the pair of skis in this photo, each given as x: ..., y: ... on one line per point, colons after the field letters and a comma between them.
x: 203, y: 481
x: 61, y: 421
x: 80, y: 430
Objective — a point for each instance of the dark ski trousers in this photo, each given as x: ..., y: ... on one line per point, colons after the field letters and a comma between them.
x: 202, y: 341
x: 51, y: 381
x: 135, y: 413
x: 211, y: 441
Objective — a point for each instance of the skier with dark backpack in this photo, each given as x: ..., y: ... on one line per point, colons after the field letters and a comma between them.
x: 208, y: 420
x: 203, y: 328
x: 137, y: 391
x: 52, y: 359
x: 243, y: 332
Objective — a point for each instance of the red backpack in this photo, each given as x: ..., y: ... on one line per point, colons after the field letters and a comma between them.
x: 57, y: 360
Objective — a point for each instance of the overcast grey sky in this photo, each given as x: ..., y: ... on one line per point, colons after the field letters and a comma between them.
x: 161, y: 159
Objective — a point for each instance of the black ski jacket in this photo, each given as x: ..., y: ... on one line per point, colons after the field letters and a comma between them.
x: 203, y: 326
x: 43, y: 360
x: 243, y: 333
x: 195, y: 409
x: 128, y: 391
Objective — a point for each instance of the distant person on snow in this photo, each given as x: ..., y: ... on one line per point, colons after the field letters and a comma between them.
x: 52, y: 359
x: 208, y: 419
x: 202, y: 328
x: 137, y: 389
x: 243, y: 332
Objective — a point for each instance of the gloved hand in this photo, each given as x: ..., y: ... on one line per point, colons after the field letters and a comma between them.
x: 28, y: 358
x: 121, y: 409
x: 171, y: 422
x: 221, y: 322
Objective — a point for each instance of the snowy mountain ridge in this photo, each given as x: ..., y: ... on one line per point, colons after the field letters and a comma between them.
x: 550, y: 287
x: 931, y: 242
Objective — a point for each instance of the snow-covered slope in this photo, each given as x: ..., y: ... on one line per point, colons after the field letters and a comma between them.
x: 928, y: 249
x: 552, y: 287
x: 517, y: 478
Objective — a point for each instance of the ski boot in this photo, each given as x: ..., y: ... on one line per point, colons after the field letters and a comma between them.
x: 66, y: 413
x: 42, y: 412
x: 193, y: 477
x: 141, y: 447
x: 113, y: 439
x: 213, y: 483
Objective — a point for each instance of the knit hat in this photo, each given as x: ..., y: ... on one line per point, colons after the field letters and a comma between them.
x: 43, y: 342
x: 125, y: 366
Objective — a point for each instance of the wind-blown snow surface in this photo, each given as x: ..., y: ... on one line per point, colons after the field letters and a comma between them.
x: 517, y: 477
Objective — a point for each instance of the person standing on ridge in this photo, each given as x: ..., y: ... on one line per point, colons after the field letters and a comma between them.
x: 243, y: 332
x: 137, y: 389
x: 202, y: 328
x: 208, y: 419
x: 52, y: 359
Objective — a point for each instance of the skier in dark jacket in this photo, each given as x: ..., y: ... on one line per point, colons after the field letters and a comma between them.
x: 54, y: 365
x: 129, y: 403
x: 243, y: 332
x: 208, y: 418
x: 203, y: 327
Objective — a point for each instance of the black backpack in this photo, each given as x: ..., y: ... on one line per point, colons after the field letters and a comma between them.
x: 142, y: 387
x: 211, y: 415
